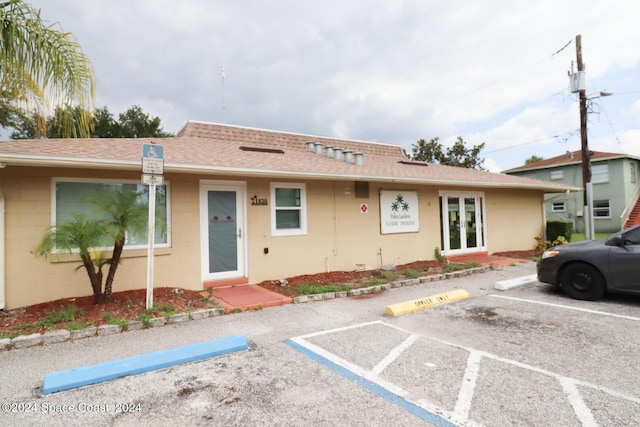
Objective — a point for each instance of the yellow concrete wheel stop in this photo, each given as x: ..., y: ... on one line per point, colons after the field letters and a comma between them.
x: 426, y: 302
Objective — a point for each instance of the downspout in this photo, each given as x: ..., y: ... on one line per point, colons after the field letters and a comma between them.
x: 2, y: 260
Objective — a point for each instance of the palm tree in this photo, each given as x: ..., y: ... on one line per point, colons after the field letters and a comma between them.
x: 119, y: 212
x: 43, y: 67
x: 82, y: 235
x: 123, y: 213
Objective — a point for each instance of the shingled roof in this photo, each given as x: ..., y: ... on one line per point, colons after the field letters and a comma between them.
x: 207, y: 148
x: 571, y: 158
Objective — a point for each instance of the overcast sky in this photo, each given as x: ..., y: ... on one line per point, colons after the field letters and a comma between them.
x: 491, y: 71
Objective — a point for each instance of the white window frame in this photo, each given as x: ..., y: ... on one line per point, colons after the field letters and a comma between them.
x: 600, y: 173
x: 556, y: 174
x: 54, y: 201
x: 598, y: 209
x: 561, y: 206
x: 302, y: 230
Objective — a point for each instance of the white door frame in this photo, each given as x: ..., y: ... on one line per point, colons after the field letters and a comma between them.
x: 240, y: 187
x: 480, y: 219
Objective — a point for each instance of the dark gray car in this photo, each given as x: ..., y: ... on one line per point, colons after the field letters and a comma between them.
x: 587, y: 270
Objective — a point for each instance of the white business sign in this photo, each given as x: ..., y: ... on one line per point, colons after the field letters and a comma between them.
x: 399, y: 212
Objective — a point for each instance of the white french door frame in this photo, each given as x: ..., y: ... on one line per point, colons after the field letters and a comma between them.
x: 240, y: 188
x: 480, y: 220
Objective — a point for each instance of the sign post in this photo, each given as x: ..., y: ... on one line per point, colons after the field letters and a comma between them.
x: 152, y: 170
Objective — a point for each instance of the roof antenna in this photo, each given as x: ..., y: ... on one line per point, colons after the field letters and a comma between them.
x: 224, y: 107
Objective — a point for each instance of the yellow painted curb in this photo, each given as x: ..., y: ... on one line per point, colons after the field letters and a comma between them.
x: 426, y: 302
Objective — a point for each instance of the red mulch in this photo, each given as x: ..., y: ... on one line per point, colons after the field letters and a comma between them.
x: 126, y: 305
x: 346, y: 277
x: 129, y: 305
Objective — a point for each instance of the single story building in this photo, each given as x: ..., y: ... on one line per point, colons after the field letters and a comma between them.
x: 241, y: 205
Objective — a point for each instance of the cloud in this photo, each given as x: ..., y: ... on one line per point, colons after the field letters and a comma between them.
x: 391, y: 72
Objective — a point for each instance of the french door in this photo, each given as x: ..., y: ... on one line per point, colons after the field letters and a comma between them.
x: 462, y: 216
x: 223, y: 235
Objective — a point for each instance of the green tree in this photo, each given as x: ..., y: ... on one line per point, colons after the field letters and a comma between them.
x: 428, y: 151
x: 134, y: 123
x: 117, y: 212
x: 42, y: 67
x: 533, y: 159
x: 458, y: 154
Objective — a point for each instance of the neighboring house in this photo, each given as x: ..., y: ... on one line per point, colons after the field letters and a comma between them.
x: 616, y: 187
x: 242, y: 205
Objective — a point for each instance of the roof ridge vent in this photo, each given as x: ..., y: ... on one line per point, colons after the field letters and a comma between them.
x: 329, y: 151
x: 358, y: 158
x: 348, y: 156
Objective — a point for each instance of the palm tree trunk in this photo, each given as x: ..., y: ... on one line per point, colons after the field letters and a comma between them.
x: 95, y: 278
x: 115, y: 260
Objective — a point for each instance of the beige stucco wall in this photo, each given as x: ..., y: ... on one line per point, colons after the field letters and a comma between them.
x: 339, y: 236
x: 514, y: 219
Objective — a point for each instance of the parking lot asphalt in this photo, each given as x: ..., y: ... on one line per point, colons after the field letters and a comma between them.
x: 525, y: 356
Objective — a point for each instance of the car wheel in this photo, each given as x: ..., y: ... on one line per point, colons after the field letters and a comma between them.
x: 582, y: 281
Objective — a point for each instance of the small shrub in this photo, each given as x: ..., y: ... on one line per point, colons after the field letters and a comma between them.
x: 438, y: 255
x: 543, y: 245
x: 146, y: 320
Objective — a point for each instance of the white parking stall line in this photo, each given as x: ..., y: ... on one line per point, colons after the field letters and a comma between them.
x: 467, y: 388
x: 394, y: 354
x: 430, y: 410
x: 568, y: 307
x: 581, y: 410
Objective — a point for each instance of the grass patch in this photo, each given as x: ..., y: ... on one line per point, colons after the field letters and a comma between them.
x: 411, y: 273
x: 450, y: 267
x: 375, y: 281
x: 314, y: 288
x: 579, y: 237
x: 69, y: 313
x: 111, y: 319
x: 76, y: 326
x: 162, y: 310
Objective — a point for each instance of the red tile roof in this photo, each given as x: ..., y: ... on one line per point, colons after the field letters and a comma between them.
x: 214, y: 148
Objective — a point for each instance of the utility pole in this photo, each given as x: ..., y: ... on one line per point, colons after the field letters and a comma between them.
x: 586, y: 160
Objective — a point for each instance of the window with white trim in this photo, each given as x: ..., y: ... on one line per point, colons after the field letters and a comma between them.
x: 558, y: 207
x: 288, y: 209
x: 600, y: 173
x: 556, y: 174
x: 601, y: 209
x: 70, y: 198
